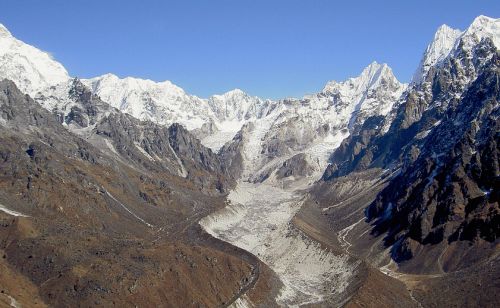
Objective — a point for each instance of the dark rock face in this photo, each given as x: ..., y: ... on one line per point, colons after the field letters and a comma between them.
x: 14, y: 105
x: 141, y: 143
x: 298, y: 165
x: 19, y: 113
x: 90, y: 105
x: 444, y: 143
x: 231, y: 154
x: 451, y: 191
x: 201, y: 164
x: 354, y: 149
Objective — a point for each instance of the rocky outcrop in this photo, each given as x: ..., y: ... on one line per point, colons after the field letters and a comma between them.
x: 200, y: 164
x: 231, y: 154
x: 353, y: 149
x: 88, y: 108
x: 74, y: 104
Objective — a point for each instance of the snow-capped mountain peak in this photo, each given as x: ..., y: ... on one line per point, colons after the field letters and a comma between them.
x: 444, y: 40
x: 234, y: 105
x: 374, y: 74
x: 371, y: 76
x: 161, y: 102
x: 135, y: 84
x: 30, y: 68
x: 232, y: 93
x: 482, y: 27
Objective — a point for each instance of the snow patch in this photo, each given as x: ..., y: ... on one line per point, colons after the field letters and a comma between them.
x: 182, y: 172
x: 11, y: 212
x: 110, y: 146
x: 242, y: 302
x: 423, y: 134
x: 138, y: 146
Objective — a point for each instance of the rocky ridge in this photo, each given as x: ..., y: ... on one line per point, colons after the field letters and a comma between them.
x: 444, y: 183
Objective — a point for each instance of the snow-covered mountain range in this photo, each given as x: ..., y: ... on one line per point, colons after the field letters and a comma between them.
x: 314, y: 124
x: 324, y: 117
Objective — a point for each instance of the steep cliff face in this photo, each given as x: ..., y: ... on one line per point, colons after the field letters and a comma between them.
x: 201, y: 165
x: 449, y: 191
x: 441, y: 145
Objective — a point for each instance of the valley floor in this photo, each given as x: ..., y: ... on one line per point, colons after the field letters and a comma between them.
x: 313, y: 264
x: 258, y: 219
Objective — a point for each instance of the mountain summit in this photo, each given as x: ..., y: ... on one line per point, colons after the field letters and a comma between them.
x: 446, y: 41
x: 31, y: 69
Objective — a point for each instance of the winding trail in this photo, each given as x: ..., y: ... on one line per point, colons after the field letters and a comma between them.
x: 127, y: 209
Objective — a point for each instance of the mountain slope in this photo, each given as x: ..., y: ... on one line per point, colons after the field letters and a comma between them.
x: 415, y: 193
x: 441, y: 148
x: 98, y: 227
x: 449, y: 192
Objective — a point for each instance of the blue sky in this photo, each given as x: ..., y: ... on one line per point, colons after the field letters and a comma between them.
x: 273, y: 48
